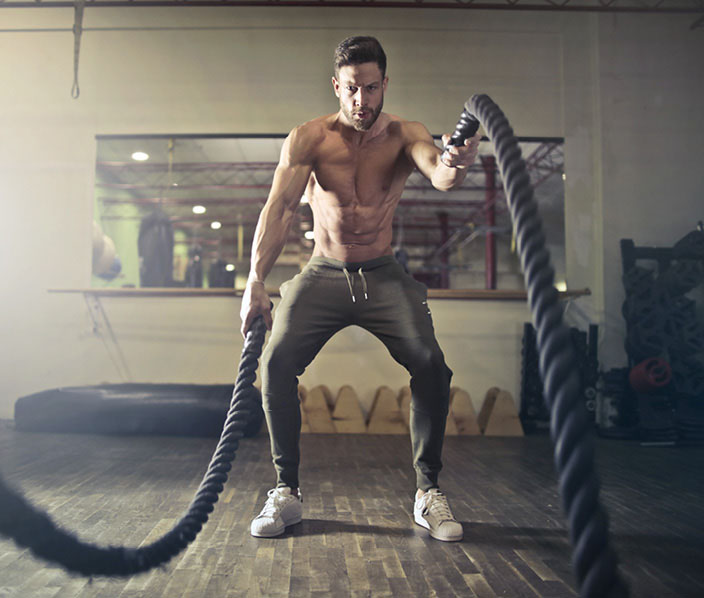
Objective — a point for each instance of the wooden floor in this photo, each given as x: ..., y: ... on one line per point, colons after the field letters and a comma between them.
x: 357, y: 538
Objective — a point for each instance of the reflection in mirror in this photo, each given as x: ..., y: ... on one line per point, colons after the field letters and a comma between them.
x: 180, y: 211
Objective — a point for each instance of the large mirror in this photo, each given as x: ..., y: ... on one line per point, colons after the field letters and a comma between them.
x: 180, y: 211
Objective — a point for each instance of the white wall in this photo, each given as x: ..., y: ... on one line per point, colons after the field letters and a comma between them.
x: 553, y: 75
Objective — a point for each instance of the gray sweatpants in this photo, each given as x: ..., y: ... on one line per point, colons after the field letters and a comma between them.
x: 378, y: 295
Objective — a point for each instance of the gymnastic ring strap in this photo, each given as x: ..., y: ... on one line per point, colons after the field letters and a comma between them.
x: 594, y: 562
x: 34, y: 529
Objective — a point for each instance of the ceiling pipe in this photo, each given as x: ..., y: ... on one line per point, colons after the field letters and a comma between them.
x: 514, y: 5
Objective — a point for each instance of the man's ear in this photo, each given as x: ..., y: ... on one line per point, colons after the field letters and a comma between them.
x: 384, y: 83
x: 336, y: 86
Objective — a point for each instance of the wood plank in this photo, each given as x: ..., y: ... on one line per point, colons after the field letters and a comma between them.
x: 503, y: 418
x: 347, y: 416
x: 357, y: 538
x: 470, y: 294
x: 385, y: 416
x: 451, y: 424
x: 318, y: 412
x: 302, y: 393
x: 463, y: 410
x: 487, y: 406
x: 327, y: 393
x: 305, y: 426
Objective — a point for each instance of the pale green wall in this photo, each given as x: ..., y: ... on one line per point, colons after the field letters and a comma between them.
x: 553, y: 75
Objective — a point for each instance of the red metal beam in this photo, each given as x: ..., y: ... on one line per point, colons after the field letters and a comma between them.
x: 444, y: 254
x: 489, y: 164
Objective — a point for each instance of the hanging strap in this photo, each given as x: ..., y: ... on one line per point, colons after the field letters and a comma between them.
x: 77, y: 31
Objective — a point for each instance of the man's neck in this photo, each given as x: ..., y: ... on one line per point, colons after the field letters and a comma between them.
x: 355, y: 137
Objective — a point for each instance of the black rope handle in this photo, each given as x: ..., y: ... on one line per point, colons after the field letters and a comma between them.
x: 34, y: 529
x: 467, y: 126
x: 594, y: 561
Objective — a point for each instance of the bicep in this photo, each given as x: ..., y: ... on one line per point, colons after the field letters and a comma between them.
x: 288, y: 185
x: 292, y: 172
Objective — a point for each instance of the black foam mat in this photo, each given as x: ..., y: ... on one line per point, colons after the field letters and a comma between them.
x: 150, y: 409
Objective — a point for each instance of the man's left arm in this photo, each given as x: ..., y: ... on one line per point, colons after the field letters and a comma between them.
x: 445, y: 169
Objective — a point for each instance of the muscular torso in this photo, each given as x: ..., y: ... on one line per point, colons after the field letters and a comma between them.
x: 354, y: 188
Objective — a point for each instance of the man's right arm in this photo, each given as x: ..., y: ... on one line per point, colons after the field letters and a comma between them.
x: 290, y: 179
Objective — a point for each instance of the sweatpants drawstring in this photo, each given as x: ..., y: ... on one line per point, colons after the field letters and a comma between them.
x: 364, y: 284
x: 349, y: 284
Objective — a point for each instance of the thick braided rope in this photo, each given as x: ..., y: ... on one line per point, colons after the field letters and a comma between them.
x: 34, y: 529
x: 594, y: 562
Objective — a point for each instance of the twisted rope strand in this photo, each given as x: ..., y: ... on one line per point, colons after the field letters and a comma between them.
x: 594, y: 562
x: 34, y: 529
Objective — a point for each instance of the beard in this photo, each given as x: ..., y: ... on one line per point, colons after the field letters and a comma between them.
x: 363, y: 124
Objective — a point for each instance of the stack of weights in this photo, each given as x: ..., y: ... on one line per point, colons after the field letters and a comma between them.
x: 617, y: 411
x: 656, y: 409
x: 690, y: 419
x: 662, y: 322
x: 534, y: 414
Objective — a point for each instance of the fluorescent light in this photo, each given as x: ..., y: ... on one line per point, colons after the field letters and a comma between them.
x: 215, y: 225
x: 309, y: 235
x: 140, y: 156
x: 199, y: 209
x: 230, y: 267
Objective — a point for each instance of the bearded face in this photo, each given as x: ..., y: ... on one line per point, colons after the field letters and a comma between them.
x: 360, y: 89
x: 362, y: 118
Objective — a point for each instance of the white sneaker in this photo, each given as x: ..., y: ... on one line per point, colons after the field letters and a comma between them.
x: 433, y: 513
x: 280, y: 510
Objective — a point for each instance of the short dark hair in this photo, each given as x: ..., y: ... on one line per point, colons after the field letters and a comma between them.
x: 360, y: 49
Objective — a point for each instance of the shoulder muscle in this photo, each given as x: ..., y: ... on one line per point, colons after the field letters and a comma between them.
x: 300, y: 146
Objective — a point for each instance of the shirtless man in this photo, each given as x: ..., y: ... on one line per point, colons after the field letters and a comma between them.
x: 352, y: 167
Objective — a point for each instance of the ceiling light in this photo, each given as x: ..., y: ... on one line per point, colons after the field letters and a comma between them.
x: 564, y: 176
x: 561, y: 286
x: 199, y: 209
x: 140, y: 156
x: 309, y: 235
x: 230, y: 267
x: 215, y: 225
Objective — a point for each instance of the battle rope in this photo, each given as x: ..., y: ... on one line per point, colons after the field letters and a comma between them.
x: 594, y: 562
x: 34, y: 529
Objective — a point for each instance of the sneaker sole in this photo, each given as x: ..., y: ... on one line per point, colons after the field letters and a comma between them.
x: 423, y: 523
x: 277, y: 532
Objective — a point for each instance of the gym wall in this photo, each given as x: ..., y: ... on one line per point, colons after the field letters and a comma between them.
x: 623, y: 91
